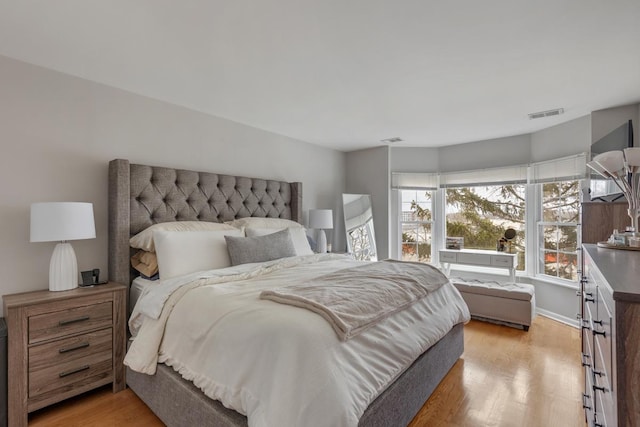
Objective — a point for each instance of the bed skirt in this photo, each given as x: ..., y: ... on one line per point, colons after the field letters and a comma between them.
x: 178, y: 402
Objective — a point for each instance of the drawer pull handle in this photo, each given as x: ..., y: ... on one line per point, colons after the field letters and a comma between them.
x: 73, y: 371
x: 596, y: 387
x: 598, y: 373
x: 599, y: 322
x: 70, y: 321
x: 586, y: 324
x: 589, y: 298
x: 584, y: 401
x: 75, y: 347
x: 585, y: 356
x: 596, y: 332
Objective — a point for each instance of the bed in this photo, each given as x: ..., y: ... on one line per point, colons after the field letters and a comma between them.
x: 140, y: 196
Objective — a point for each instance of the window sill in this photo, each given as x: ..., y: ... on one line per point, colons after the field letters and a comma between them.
x: 501, y: 274
x: 561, y: 283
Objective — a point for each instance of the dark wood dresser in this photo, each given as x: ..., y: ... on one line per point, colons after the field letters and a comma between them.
x: 610, y: 290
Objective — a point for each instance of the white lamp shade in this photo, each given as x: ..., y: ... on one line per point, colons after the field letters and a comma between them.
x: 611, y: 161
x: 62, y: 221
x: 632, y: 156
x: 321, y: 218
x: 596, y: 167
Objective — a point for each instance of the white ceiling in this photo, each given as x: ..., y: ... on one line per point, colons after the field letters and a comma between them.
x: 347, y: 73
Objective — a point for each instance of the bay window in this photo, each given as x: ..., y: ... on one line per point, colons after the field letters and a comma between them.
x: 540, y: 201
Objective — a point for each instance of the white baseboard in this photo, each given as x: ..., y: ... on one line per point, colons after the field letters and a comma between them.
x: 557, y: 317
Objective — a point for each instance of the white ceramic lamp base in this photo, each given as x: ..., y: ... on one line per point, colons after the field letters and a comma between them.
x: 321, y: 242
x: 63, y: 269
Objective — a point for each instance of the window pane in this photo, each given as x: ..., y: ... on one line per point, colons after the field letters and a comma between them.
x: 482, y: 214
x: 416, y: 225
x: 561, y: 201
x: 567, y: 238
x: 561, y: 205
x: 568, y: 266
x: 409, y: 252
x: 551, y: 237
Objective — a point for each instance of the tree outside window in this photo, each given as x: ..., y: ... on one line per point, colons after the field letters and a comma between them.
x: 416, y: 222
x: 558, y: 230
x: 482, y: 214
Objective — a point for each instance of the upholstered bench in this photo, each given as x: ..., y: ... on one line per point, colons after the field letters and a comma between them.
x: 509, y: 303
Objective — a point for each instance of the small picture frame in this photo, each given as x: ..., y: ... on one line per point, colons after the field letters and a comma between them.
x: 455, y: 243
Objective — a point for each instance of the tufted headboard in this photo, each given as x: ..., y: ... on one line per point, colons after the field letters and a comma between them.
x: 140, y: 196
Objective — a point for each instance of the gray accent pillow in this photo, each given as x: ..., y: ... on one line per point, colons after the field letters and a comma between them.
x: 243, y: 250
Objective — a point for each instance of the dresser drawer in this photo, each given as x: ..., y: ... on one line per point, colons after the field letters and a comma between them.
x: 82, y: 370
x: 58, y: 324
x: 501, y: 260
x: 447, y: 257
x: 475, y: 259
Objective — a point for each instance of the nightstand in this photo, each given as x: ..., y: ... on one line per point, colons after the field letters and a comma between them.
x: 62, y: 344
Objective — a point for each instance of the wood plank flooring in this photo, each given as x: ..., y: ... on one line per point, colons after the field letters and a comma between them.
x: 506, y: 377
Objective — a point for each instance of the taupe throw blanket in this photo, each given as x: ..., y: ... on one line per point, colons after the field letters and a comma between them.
x: 354, y: 299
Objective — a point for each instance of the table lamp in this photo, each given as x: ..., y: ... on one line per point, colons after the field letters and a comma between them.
x: 321, y: 219
x: 60, y: 222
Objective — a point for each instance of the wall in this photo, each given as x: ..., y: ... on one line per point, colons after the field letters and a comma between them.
x: 367, y: 172
x: 561, y: 140
x: 491, y: 153
x: 58, y: 132
x: 604, y: 121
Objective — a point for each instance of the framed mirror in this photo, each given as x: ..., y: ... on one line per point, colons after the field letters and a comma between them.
x: 358, y: 224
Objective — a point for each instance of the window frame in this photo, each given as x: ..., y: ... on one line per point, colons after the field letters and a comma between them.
x: 540, y: 250
x: 432, y: 222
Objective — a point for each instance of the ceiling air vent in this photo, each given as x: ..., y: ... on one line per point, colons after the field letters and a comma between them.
x: 547, y: 113
x: 391, y: 140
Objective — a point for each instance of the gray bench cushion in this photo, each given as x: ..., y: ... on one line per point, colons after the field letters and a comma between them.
x: 519, y: 291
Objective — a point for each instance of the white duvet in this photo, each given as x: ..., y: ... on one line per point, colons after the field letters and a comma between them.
x: 280, y: 365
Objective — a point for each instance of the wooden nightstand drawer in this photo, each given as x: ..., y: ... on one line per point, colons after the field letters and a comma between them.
x: 74, y: 321
x: 63, y: 351
x: 83, y: 370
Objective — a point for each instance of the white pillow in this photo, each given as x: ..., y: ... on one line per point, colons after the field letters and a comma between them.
x: 184, y: 252
x: 144, y: 239
x: 298, y: 237
x: 255, y: 222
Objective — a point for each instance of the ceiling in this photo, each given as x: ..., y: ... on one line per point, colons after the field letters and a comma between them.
x: 347, y: 73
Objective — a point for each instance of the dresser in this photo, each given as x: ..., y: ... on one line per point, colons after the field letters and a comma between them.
x: 62, y: 344
x: 481, y: 258
x: 610, y: 310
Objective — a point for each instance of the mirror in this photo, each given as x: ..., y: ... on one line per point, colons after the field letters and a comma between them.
x: 358, y: 224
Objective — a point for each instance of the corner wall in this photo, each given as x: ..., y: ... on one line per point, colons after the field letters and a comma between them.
x: 367, y: 172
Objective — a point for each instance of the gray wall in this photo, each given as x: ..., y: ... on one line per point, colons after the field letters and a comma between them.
x: 513, y: 150
x: 368, y: 173
x: 58, y: 132
x: 604, y: 121
x: 561, y: 140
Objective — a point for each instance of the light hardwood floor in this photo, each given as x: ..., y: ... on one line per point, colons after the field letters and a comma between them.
x: 506, y: 377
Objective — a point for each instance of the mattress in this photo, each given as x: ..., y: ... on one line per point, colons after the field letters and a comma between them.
x: 137, y: 288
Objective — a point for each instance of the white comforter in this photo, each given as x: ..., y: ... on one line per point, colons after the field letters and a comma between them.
x: 280, y: 365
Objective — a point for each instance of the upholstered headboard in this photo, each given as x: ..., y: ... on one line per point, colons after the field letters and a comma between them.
x: 140, y: 196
